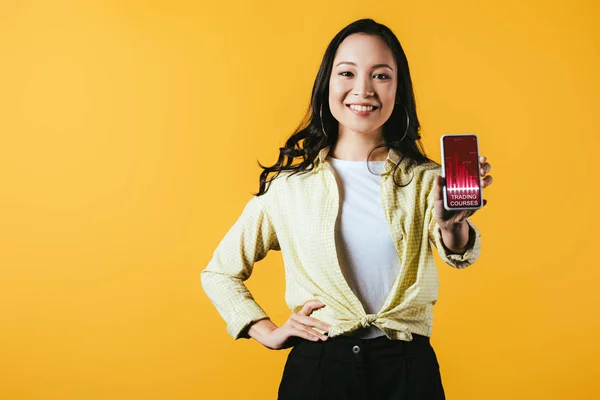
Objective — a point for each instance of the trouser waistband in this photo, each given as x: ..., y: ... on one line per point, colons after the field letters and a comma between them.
x: 355, y: 349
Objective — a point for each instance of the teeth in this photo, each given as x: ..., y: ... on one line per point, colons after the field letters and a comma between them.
x: 361, y: 108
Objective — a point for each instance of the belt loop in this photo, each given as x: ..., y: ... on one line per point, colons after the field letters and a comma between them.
x: 322, y: 345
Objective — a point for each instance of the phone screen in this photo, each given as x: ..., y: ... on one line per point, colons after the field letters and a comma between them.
x: 461, y: 167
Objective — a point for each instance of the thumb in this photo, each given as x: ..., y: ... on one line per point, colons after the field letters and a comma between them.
x: 310, y: 305
x: 438, y: 187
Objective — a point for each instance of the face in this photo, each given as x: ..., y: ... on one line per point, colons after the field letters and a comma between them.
x: 364, y: 72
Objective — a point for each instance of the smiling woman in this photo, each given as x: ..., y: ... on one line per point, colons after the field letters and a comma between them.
x: 364, y: 65
x: 361, y: 280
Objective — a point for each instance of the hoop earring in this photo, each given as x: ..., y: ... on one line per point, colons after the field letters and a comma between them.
x: 407, y: 122
x: 321, y: 115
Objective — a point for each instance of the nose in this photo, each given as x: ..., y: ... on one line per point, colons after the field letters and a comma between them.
x: 363, y: 87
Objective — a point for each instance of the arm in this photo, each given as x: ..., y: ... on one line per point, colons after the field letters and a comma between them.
x: 456, y: 238
x: 246, y: 242
x: 257, y: 330
x: 458, y: 246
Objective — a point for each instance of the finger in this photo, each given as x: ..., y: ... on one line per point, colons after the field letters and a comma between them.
x: 485, y: 169
x: 482, y: 159
x: 306, y: 333
x: 487, y: 181
x: 437, y: 188
x: 310, y: 305
x: 310, y: 321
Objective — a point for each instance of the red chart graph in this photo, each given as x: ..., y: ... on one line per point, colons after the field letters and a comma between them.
x: 461, y: 179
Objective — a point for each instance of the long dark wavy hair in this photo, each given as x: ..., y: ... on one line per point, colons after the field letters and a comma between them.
x: 309, y: 139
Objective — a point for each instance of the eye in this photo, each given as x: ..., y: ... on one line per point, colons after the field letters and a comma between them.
x: 347, y: 72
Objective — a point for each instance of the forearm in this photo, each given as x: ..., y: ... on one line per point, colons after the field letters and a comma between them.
x: 456, y: 237
x: 260, y: 328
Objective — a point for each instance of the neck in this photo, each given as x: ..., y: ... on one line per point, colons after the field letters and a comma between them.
x: 356, y: 147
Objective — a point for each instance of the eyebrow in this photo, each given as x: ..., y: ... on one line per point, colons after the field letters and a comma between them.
x: 374, y: 66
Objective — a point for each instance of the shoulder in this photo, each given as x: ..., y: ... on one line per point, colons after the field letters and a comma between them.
x: 424, y: 176
x: 280, y: 185
x: 288, y: 179
x: 425, y: 173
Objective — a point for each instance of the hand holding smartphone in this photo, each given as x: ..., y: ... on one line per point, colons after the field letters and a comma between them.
x: 460, y: 168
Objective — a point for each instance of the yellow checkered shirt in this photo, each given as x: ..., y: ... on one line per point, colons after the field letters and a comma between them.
x: 297, y: 216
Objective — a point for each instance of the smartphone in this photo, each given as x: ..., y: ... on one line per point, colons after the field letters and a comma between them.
x: 460, y: 168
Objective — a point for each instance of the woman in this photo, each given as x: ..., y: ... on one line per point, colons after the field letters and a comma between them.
x: 355, y: 220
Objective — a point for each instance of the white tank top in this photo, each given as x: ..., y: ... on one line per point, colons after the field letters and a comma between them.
x: 366, y: 253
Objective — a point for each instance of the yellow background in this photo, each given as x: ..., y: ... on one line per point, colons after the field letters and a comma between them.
x: 130, y: 138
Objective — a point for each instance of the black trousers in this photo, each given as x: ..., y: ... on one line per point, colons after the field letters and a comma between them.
x: 351, y: 368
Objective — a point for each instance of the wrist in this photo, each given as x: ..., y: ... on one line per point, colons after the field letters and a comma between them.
x: 453, y: 227
x: 260, y: 328
x: 455, y: 237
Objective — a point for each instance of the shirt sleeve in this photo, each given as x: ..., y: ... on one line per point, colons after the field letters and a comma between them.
x: 455, y: 260
x: 246, y: 242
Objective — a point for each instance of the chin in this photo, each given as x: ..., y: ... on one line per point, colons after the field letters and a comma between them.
x: 361, y: 130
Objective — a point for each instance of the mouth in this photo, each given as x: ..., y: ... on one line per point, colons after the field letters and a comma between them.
x: 362, y: 111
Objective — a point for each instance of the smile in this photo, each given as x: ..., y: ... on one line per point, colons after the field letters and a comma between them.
x: 362, y: 110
